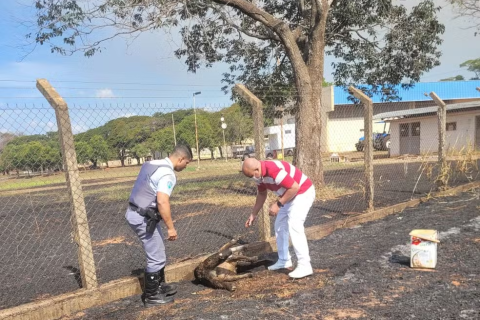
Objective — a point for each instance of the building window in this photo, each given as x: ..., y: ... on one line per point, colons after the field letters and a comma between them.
x: 451, y: 126
x: 404, y: 127
x: 415, y: 129
x: 288, y: 131
x: 129, y: 161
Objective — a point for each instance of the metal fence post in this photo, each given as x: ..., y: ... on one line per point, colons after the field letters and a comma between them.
x: 257, y: 115
x: 368, y: 153
x: 79, y: 213
x: 442, y: 179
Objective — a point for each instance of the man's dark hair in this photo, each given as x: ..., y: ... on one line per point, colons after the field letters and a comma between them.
x: 184, y: 150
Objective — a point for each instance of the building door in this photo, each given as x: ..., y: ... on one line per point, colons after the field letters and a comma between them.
x: 410, y: 138
x: 477, y: 132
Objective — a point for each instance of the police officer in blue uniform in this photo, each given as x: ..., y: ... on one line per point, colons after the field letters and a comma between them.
x: 148, y: 204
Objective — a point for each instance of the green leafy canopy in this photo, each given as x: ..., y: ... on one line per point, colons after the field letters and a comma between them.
x: 374, y: 42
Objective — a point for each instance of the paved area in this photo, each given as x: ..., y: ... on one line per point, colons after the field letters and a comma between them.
x: 361, y: 273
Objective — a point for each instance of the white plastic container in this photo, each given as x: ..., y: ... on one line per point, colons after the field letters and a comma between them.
x: 423, y: 248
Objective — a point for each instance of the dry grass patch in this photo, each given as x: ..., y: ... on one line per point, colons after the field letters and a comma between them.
x: 216, y: 198
x: 116, y: 240
x: 332, y: 191
x: 170, y: 310
x: 459, y: 281
x: 276, y: 283
x: 192, y: 214
x: 337, y: 314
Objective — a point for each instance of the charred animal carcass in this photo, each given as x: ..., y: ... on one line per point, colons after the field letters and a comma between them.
x: 220, y: 270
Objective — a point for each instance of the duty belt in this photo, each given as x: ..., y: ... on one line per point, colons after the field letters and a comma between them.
x: 152, y: 216
x: 141, y: 211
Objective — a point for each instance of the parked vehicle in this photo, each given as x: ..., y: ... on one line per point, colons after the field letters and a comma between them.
x: 250, y: 153
x: 238, y: 151
x: 275, y: 141
x: 381, y: 141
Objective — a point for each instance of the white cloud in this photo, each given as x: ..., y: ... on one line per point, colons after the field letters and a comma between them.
x: 78, y: 128
x: 50, y: 126
x: 105, y: 93
x: 127, y: 115
x: 33, y: 124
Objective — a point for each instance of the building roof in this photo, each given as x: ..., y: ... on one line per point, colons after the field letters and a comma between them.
x: 410, y: 113
x: 446, y: 90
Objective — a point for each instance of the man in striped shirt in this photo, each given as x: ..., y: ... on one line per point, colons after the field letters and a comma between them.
x: 296, y: 195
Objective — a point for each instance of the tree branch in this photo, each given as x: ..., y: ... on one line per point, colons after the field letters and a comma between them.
x: 272, y: 36
x: 301, y: 7
x: 276, y: 25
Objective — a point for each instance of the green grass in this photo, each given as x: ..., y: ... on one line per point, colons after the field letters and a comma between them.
x: 183, y: 191
x: 208, y: 168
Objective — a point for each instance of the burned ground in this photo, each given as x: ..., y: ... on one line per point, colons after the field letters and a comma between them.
x: 360, y: 273
x: 39, y: 257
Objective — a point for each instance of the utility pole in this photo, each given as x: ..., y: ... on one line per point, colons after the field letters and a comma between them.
x: 281, y: 129
x: 174, y: 136
x: 196, y: 130
x: 224, y: 126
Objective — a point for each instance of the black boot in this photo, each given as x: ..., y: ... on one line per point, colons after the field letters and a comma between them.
x: 152, y: 295
x: 167, y: 289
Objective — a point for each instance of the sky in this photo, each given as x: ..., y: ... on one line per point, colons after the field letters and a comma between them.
x: 144, y: 72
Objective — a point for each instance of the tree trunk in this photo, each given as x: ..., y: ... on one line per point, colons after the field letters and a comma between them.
x: 122, y: 157
x: 138, y: 160
x: 308, y: 133
x: 308, y: 72
x: 221, y: 152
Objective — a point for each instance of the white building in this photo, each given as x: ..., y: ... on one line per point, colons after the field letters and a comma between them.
x: 344, y: 120
x: 416, y: 131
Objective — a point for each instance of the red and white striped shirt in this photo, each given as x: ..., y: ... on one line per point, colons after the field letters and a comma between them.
x: 278, y: 176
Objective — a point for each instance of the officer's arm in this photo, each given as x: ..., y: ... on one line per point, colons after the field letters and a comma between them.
x: 163, y: 204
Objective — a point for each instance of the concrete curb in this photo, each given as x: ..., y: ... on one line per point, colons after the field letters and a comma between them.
x: 71, y: 303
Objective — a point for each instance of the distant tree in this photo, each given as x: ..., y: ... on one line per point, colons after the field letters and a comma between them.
x: 5, y: 138
x: 140, y: 151
x: 161, y: 140
x: 472, y: 66
x: 186, y: 132
x: 10, y: 158
x: 99, y: 150
x: 53, y: 155
x: 33, y: 156
x: 165, y: 119
x: 84, y: 152
x: 124, y: 133
x: 120, y: 138
x: 456, y: 78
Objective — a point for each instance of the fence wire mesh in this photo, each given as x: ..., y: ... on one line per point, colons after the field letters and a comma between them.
x: 212, y: 199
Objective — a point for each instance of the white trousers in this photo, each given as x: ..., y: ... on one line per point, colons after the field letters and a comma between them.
x: 290, y: 221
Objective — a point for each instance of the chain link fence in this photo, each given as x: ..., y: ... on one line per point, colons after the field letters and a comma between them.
x: 60, y: 217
